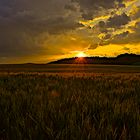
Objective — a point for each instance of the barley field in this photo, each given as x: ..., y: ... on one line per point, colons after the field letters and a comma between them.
x: 98, y: 106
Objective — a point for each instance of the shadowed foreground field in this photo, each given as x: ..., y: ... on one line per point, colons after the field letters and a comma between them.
x: 101, y: 107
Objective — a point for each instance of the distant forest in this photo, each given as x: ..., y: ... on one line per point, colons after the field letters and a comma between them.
x: 123, y: 59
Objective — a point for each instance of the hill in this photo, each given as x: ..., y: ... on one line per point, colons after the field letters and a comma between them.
x: 123, y: 59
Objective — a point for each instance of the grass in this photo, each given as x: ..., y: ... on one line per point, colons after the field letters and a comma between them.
x: 101, y: 107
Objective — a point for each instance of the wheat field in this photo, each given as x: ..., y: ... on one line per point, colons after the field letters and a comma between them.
x: 100, y: 107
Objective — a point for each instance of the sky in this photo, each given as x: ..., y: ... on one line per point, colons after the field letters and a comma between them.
x: 40, y: 31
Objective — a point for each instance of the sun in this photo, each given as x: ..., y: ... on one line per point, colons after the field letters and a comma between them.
x: 81, y: 54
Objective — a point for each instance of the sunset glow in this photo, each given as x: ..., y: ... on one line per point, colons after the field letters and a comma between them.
x: 81, y: 54
x: 45, y: 31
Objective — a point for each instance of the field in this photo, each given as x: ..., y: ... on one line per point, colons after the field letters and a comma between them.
x: 101, y: 103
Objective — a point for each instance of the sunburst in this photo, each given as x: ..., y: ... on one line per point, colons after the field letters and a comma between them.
x: 81, y: 54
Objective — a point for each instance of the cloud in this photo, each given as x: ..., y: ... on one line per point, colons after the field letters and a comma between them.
x: 25, y: 25
x: 122, y: 35
x: 71, y: 7
x: 14, y: 42
x: 135, y: 12
x: 102, y: 24
x: 126, y: 49
x: 115, y: 50
x: 36, y: 13
x: 87, y: 16
x: 46, y: 27
x: 107, y: 36
x: 126, y: 37
x: 118, y: 20
x: 91, y: 8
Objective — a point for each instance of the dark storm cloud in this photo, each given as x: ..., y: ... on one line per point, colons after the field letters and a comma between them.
x: 107, y: 36
x: 135, y: 36
x: 26, y: 24
x: 112, y: 28
x: 118, y: 20
x: 91, y: 8
x: 126, y: 37
x: 60, y: 24
x: 17, y: 42
x: 87, y: 16
x: 93, y: 46
x: 23, y: 22
x: 122, y: 35
x: 89, y: 4
x: 35, y: 13
x: 111, y: 25
x: 137, y: 14
x: 103, y: 27
x: 126, y: 49
x: 102, y: 24
x: 70, y: 7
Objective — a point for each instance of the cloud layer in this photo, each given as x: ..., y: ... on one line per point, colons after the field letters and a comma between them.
x: 50, y: 29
